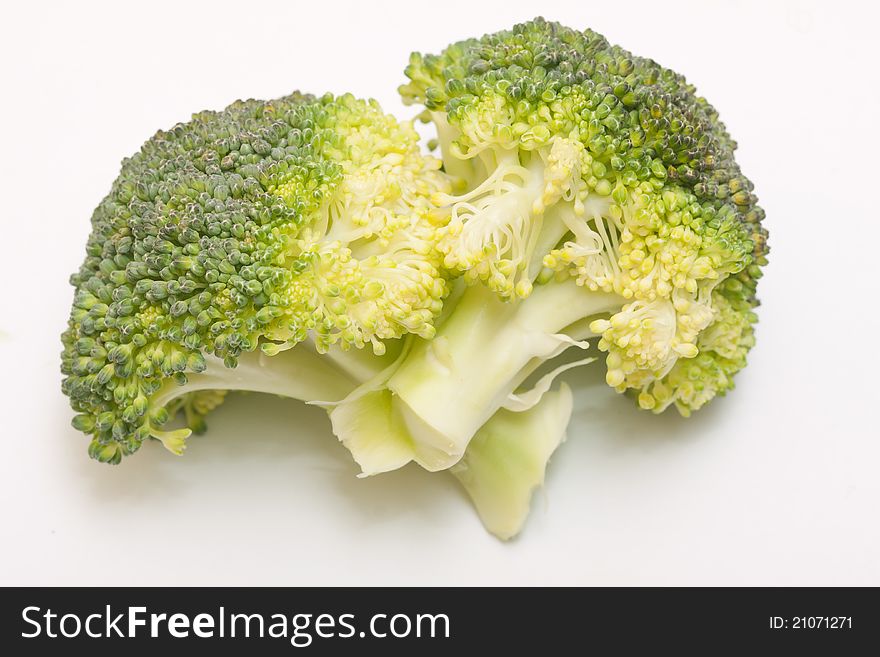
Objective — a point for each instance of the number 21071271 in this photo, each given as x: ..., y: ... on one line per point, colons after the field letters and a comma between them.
x: 811, y: 623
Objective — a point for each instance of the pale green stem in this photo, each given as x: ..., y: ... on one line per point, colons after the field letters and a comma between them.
x: 448, y: 387
x: 298, y: 373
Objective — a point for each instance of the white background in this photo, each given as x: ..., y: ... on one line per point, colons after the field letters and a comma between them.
x: 779, y: 483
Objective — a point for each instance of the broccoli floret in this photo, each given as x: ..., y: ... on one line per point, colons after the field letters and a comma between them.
x: 232, y: 238
x: 306, y: 247
x: 598, y: 197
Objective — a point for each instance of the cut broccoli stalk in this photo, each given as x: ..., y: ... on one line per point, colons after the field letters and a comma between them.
x: 506, y: 460
x: 441, y: 391
x: 448, y: 387
x: 501, y: 468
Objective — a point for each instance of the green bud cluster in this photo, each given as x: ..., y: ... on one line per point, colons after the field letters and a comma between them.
x: 676, y: 217
x: 233, y: 230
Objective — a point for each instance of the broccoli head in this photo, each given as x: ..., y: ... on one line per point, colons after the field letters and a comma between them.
x: 585, y: 197
x: 597, y: 196
x: 261, y: 226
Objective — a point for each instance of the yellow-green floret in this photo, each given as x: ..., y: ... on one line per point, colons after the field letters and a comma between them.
x: 581, y: 161
x: 264, y: 224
